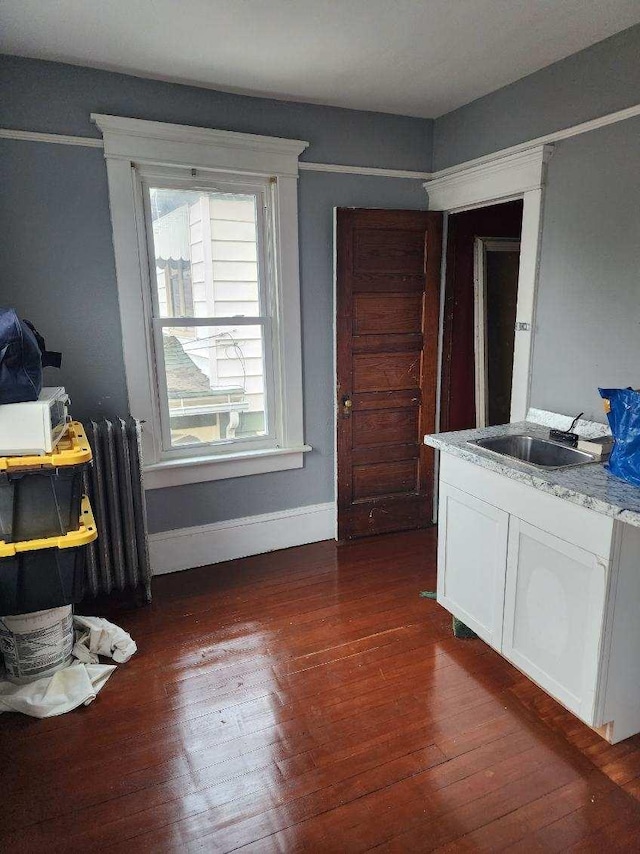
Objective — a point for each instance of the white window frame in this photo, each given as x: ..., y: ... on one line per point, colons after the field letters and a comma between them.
x: 264, y: 190
x: 135, y: 151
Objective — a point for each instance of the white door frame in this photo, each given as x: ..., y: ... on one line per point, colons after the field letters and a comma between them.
x: 501, y: 179
x: 482, y: 245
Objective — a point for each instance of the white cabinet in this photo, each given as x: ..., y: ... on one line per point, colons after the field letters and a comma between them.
x: 552, y: 586
x: 553, y: 615
x: 472, y: 555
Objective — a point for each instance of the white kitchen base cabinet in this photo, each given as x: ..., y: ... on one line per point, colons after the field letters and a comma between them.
x: 473, y: 542
x: 553, y: 612
x: 552, y: 586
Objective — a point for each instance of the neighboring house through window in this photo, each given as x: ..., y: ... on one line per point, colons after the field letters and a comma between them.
x: 205, y: 236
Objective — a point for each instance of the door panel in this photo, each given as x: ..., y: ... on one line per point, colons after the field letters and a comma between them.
x: 388, y: 283
x: 387, y: 371
x: 397, y: 312
x: 390, y: 342
x: 374, y: 453
x: 554, y: 604
x: 393, y: 249
x: 383, y: 427
x: 385, y: 478
x: 472, y: 558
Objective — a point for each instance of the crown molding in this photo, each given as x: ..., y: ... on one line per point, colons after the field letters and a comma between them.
x: 373, y: 171
x: 555, y: 136
x: 308, y: 166
x: 169, y: 144
x: 498, y: 178
x: 200, y: 135
x: 55, y: 138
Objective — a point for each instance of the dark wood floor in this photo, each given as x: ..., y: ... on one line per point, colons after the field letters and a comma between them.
x: 309, y: 700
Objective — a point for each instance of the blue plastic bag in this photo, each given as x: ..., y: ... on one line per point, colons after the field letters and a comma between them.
x: 623, y: 412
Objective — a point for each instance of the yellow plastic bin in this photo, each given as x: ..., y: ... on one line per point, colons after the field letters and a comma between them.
x: 40, y: 495
x: 39, y: 574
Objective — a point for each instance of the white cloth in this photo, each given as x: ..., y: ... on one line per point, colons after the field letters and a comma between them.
x: 79, y: 683
x: 67, y: 689
x: 96, y: 636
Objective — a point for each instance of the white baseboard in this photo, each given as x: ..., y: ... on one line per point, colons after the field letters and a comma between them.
x: 185, y: 548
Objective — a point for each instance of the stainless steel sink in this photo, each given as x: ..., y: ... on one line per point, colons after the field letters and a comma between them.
x: 542, y: 453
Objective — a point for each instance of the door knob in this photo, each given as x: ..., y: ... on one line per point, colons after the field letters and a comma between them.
x: 347, y: 404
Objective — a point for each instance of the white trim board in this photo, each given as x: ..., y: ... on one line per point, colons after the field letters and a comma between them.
x: 201, y: 469
x: 167, y: 144
x: 55, y: 138
x: 503, y: 176
x: 303, y: 165
x: 185, y: 548
x: 138, y: 152
x: 372, y: 171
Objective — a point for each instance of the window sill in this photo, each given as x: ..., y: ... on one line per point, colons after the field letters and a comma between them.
x: 241, y: 464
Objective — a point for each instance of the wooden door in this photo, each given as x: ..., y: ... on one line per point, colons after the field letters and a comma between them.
x: 472, y: 561
x: 388, y: 283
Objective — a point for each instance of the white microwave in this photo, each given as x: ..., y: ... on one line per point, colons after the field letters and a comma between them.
x: 35, y: 426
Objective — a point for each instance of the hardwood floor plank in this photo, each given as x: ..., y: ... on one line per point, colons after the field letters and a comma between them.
x: 518, y: 824
x: 309, y: 700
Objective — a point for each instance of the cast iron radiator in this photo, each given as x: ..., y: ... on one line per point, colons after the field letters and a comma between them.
x: 119, y: 558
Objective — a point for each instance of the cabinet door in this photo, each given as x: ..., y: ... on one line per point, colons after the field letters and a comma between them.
x: 553, y: 615
x: 472, y: 556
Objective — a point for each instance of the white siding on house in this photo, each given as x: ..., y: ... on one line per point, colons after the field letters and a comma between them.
x: 246, y: 292
x: 232, y: 250
x: 234, y: 230
x: 235, y: 286
x: 234, y: 271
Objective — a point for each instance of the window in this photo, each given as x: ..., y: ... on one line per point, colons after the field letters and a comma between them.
x: 211, y: 304
x: 205, y: 237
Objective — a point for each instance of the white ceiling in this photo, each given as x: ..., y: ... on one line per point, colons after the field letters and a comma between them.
x: 412, y: 57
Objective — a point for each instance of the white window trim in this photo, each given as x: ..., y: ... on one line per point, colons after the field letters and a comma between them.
x: 130, y: 142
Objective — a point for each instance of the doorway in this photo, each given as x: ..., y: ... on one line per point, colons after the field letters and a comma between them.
x: 496, y: 264
x: 387, y: 315
x: 479, y: 315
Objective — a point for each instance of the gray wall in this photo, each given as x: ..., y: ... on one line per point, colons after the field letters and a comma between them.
x: 57, y: 260
x: 58, y: 266
x: 588, y: 318
x: 53, y: 97
x: 599, y: 80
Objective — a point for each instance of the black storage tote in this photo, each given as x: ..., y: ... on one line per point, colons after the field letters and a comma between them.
x: 40, y: 495
x: 40, y: 574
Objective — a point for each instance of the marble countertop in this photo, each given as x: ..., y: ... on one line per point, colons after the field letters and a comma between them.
x: 589, y: 486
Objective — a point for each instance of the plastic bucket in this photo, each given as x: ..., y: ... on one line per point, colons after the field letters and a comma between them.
x: 36, y: 645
